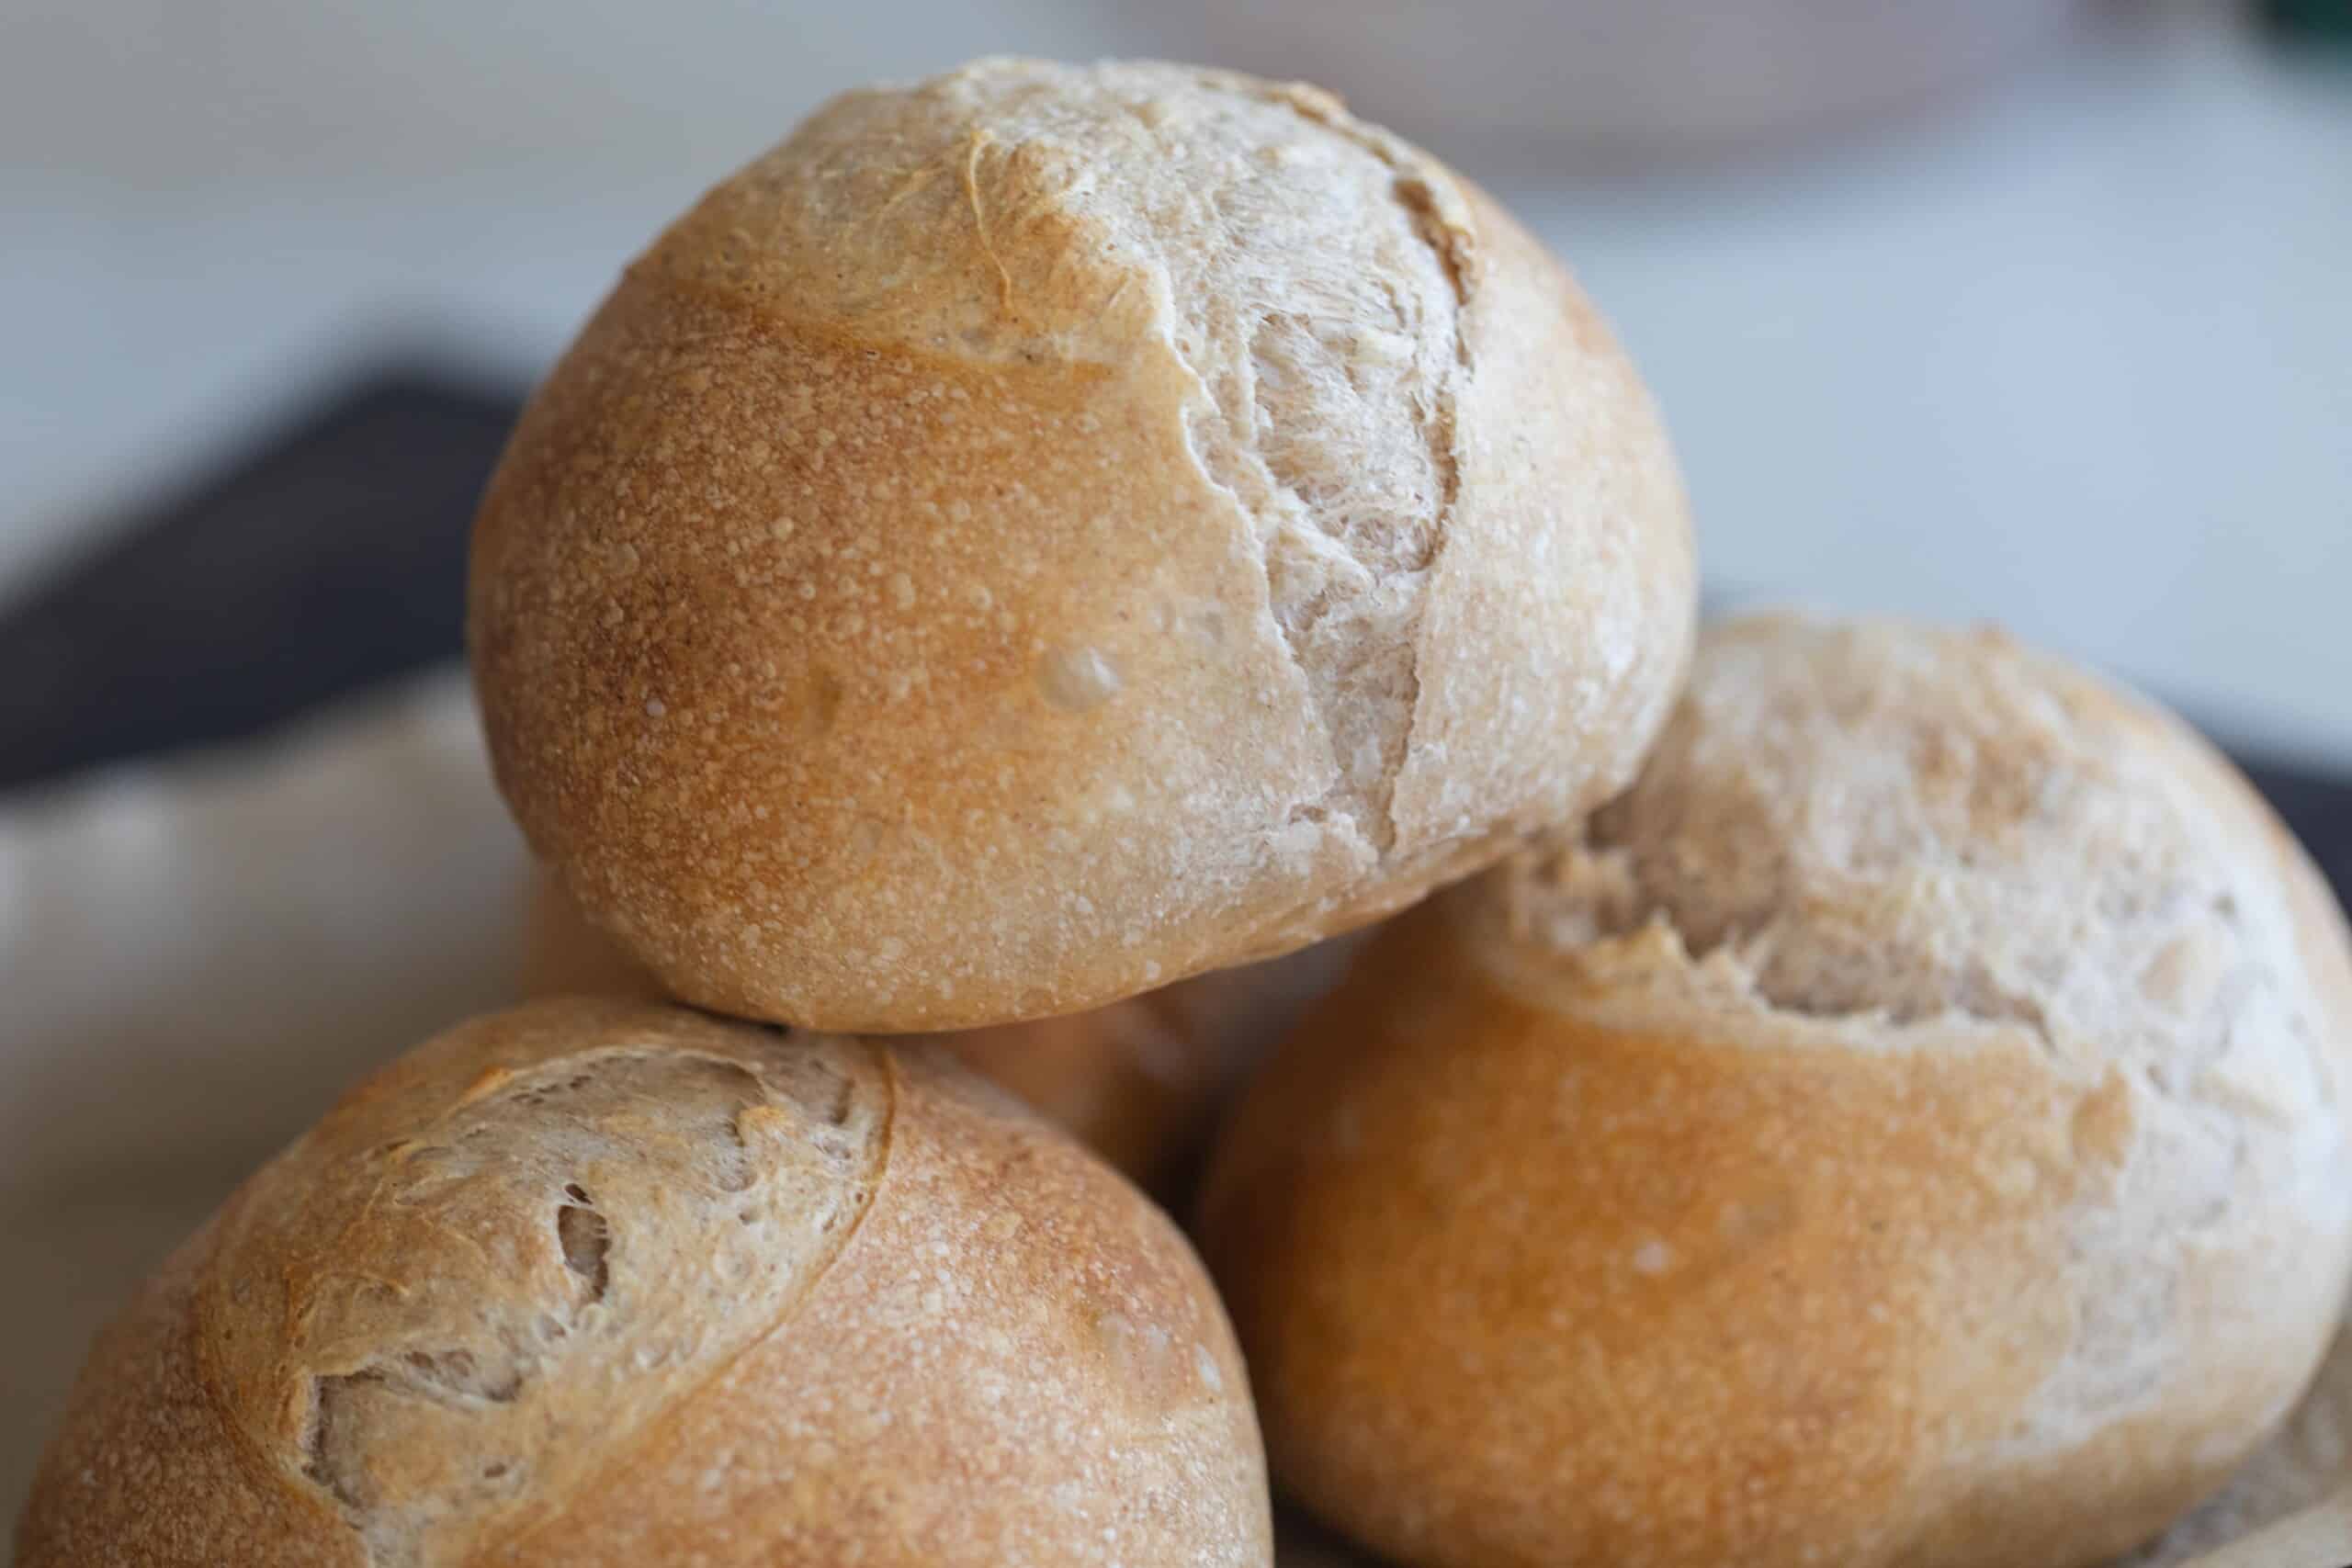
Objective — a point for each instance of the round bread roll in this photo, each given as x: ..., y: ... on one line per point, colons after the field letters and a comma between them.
x: 1045, y: 532
x: 1906, y: 1128
x: 596, y: 1283
x: 1140, y: 1082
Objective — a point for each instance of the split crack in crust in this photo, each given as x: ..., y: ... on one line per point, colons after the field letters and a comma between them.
x: 1906, y: 838
x: 772, y: 1177
x: 1327, y: 565
x: 1308, y: 274
x: 1165, y: 470
x: 1589, y: 894
x: 1858, y: 826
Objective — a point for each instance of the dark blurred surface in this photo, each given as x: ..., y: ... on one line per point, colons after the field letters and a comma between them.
x: 332, y: 557
x: 328, y: 558
x: 2325, y: 20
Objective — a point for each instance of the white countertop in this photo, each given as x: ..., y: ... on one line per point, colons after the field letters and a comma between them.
x: 2077, y: 356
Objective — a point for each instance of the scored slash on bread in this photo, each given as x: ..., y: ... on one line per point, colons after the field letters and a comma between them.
x: 1047, y: 531
x: 613, y: 1284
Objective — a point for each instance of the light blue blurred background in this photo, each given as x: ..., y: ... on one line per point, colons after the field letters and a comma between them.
x: 2018, y: 310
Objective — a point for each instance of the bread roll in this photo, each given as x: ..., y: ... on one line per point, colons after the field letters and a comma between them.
x: 1139, y: 1082
x: 596, y: 1283
x: 1906, y: 1128
x: 1048, y: 531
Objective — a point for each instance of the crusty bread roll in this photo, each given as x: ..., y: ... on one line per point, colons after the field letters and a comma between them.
x: 1045, y: 532
x: 598, y: 1283
x: 1139, y: 1082
x: 1906, y: 1128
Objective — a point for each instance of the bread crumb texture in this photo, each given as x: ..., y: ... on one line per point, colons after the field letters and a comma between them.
x: 1047, y: 526
x: 603, y: 1284
x: 1905, y: 1128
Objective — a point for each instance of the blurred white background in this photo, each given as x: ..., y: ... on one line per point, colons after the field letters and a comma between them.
x: 2055, y: 328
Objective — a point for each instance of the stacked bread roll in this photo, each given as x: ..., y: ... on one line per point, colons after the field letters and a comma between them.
x: 1037, y: 545
x: 1906, y: 1127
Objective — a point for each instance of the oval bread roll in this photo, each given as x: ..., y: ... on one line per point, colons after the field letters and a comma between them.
x: 1906, y: 1128
x: 596, y: 1283
x: 1139, y: 1082
x: 1048, y: 531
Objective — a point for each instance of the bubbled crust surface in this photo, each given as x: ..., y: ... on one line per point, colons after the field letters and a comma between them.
x: 1045, y: 532
x: 1907, y: 1129
x: 600, y: 1283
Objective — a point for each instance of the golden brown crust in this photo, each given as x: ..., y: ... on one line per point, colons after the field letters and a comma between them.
x: 1668, y: 1300
x: 1051, y: 1379
x: 145, y: 1471
x: 598, y: 1283
x: 931, y: 594
x: 1740, y: 1200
